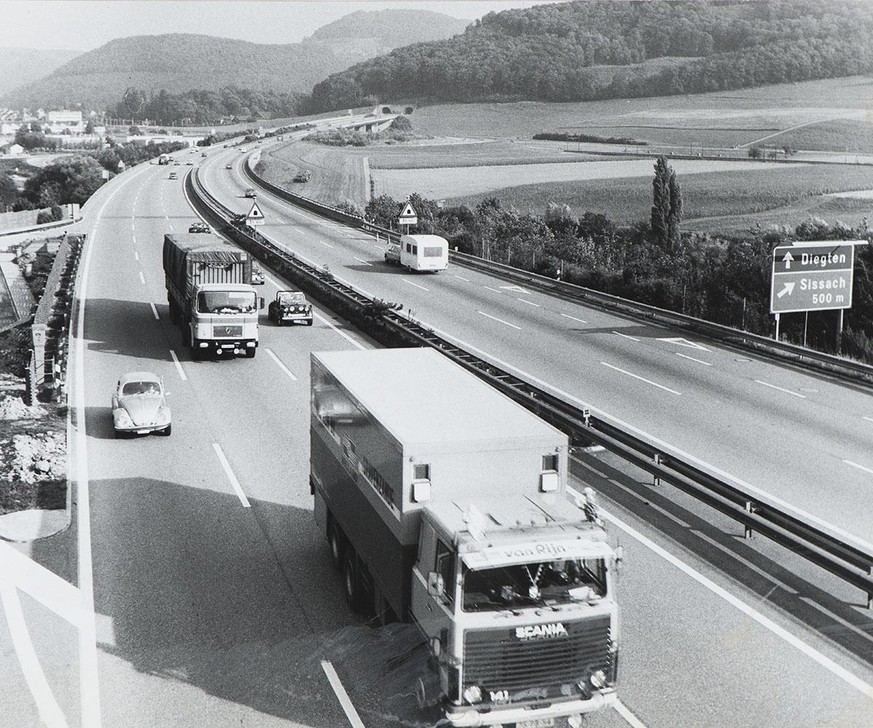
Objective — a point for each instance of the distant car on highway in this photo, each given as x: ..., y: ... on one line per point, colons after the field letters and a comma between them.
x: 250, y: 192
x: 199, y: 227
x: 290, y: 306
x: 242, y: 149
x: 139, y: 405
x: 303, y: 176
x: 189, y: 163
x: 202, y: 154
x: 392, y: 254
x: 177, y: 163
x: 172, y: 175
x: 258, y: 277
x: 228, y: 166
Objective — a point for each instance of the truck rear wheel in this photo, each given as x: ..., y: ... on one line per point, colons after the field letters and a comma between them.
x: 351, y: 583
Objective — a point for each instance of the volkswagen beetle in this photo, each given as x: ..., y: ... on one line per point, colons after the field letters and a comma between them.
x: 139, y: 406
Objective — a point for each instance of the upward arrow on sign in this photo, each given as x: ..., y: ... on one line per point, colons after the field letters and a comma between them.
x: 788, y: 259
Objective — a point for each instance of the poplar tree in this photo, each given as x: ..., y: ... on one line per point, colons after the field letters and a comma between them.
x: 666, y: 206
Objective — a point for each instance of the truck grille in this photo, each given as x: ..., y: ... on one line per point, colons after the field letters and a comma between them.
x: 226, y: 331
x: 499, y: 659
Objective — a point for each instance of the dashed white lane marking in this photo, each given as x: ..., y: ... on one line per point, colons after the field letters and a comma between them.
x: 869, y: 419
x: 461, y: 278
x: 281, y: 365
x: 781, y: 389
x: 489, y: 288
x: 494, y: 318
x: 625, y: 336
x: 178, y: 364
x: 573, y: 318
x: 154, y: 311
x: 415, y: 284
x: 361, y: 260
x: 49, y: 711
x: 642, y: 379
x: 860, y: 467
x: 699, y: 361
x: 529, y: 303
x: 326, y: 245
x: 230, y: 476
x: 135, y: 255
x: 341, y: 694
x: 340, y: 332
x: 766, y: 622
x: 141, y: 278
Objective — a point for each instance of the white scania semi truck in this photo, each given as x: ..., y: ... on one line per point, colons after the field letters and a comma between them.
x: 445, y: 503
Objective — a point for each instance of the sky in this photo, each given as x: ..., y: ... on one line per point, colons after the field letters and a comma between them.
x: 82, y: 25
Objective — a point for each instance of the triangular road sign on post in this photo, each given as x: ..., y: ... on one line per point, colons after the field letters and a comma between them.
x: 408, y: 216
x: 255, y: 216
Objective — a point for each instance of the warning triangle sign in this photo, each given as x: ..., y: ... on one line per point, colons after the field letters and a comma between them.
x: 408, y: 211
x: 255, y: 216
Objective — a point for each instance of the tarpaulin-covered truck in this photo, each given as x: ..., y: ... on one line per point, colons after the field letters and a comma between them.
x: 445, y: 503
x: 210, y: 294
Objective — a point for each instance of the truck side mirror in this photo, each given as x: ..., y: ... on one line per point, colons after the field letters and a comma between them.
x: 436, y: 586
x: 260, y: 303
x: 618, y: 559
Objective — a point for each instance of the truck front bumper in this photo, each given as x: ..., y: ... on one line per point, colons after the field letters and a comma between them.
x: 227, y: 347
x: 467, y: 715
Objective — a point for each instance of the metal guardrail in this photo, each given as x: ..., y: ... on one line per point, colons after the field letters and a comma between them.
x: 847, y: 561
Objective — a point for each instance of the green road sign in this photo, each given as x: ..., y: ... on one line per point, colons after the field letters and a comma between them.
x: 812, y: 276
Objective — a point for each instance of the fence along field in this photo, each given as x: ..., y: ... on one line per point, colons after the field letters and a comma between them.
x: 458, y: 165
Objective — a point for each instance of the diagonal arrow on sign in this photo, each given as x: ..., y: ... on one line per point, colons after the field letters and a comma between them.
x: 786, y: 288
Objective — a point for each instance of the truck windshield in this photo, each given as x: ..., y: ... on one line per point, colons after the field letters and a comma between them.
x: 226, y: 302
x: 538, y: 584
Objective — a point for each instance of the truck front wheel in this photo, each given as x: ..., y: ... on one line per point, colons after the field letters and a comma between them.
x: 334, y: 539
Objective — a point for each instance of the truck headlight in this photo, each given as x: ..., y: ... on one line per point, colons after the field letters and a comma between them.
x: 473, y: 694
x: 598, y: 679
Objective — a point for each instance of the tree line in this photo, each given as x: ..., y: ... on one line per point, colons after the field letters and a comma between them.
x: 725, y: 280
x: 584, y: 51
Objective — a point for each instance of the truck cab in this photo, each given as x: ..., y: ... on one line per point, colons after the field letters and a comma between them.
x: 517, y: 606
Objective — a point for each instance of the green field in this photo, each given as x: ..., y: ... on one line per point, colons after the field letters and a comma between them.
x: 477, y: 150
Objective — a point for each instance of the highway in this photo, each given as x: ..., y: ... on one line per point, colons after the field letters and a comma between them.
x: 214, y: 599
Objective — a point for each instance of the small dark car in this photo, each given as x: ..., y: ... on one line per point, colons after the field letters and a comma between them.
x: 290, y: 306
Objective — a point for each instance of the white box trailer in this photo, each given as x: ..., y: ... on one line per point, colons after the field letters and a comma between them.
x: 444, y: 503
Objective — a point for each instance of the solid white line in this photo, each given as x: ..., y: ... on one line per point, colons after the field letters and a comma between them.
x: 340, y: 332
x: 786, y: 391
x: 869, y: 419
x: 154, y: 311
x: 281, y: 365
x: 629, y: 717
x: 361, y: 260
x: 860, y: 467
x: 49, y: 711
x: 415, y: 284
x: 699, y: 361
x: 327, y: 245
x: 461, y: 278
x: 230, y: 476
x: 766, y: 622
x: 89, y: 678
x: 642, y: 379
x: 178, y: 364
x: 342, y: 695
x: 141, y: 278
x: 566, y: 315
x: 632, y: 338
x: 43, y: 585
x: 529, y: 303
x: 500, y: 320
x: 769, y: 497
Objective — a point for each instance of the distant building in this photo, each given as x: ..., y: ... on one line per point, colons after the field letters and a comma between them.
x: 16, y: 150
x: 60, y: 120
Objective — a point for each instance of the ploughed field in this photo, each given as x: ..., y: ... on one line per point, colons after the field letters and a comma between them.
x: 466, y: 153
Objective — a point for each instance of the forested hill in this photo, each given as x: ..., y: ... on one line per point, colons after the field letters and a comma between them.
x: 580, y: 51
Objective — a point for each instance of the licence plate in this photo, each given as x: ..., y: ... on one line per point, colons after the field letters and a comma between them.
x: 536, y: 723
